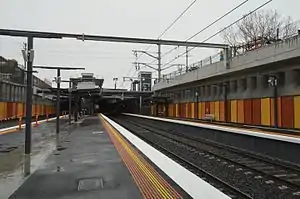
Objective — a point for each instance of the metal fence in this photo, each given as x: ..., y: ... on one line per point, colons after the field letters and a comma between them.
x: 235, y: 51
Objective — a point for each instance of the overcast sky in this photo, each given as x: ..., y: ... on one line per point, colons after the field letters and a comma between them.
x: 132, y: 18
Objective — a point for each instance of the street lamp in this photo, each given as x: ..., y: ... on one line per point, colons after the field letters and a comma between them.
x: 273, y: 81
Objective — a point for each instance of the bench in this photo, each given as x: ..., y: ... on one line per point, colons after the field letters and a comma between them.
x: 209, y: 117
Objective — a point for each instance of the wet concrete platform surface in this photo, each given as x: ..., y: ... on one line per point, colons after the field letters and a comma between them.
x: 12, y: 152
x: 88, y: 168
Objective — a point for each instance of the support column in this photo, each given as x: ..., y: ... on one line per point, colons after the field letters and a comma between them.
x: 70, y: 102
x: 159, y: 62
x: 28, y: 108
x: 58, y: 109
x: 186, y: 59
x: 76, y: 107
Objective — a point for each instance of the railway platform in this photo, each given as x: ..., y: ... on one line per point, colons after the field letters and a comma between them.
x: 274, y: 144
x: 103, y: 160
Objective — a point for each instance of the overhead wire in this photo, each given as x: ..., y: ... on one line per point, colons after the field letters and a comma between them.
x: 244, y: 16
x: 164, y: 32
x: 171, y: 25
x: 206, y: 27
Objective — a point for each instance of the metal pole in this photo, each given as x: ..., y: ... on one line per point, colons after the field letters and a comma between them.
x: 275, y: 104
x: 70, y: 102
x: 76, y: 107
x: 57, y: 109
x: 28, y: 109
x: 159, y: 62
x: 186, y: 59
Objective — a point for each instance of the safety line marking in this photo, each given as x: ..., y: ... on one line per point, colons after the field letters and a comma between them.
x: 14, y: 129
x: 150, y: 182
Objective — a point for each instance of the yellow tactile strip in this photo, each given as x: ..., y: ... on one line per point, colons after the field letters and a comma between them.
x: 151, y: 184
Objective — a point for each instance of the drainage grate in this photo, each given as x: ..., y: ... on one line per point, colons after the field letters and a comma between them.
x: 90, y: 184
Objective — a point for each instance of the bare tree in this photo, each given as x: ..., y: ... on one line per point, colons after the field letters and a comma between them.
x: 258, y: 29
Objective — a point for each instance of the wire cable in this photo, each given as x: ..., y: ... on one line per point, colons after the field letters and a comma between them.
x: 164, y: 32
x: 170, y: 26
x: 213, y: 23
x: 259, y: 7
x: 205, y: 28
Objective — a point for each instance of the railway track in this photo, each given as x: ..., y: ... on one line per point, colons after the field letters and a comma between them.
x: 213, y: 180
x: 278, y: 179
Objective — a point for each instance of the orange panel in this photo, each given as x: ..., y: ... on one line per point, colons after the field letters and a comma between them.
x: 207, y: 106
x: 177, y: 110
x: 266, y: 111
x: 202, y: 109
x: 228, y: 111
x: 190, y: 110
x: 221, y: 111
x: 233, y: 108
x: 2, y: 112
x: 256, y: 112
x: 217, y: 110
x: 20, y: 110
x: 24, y: 110
x: 199, y: 110
x: 5, y: 110
x: 182, y: 110
x: 297, y: 112
x: 287, y: 104
x: 174, y: 110
x: 16, y: 109
x: 186, y: 110
x: 193, y: 110
x: 211, y: 107
x: 9, y: 110
x: 240, y: 111
x: 248, y: 111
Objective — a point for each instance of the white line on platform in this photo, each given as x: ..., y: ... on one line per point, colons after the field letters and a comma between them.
x: 225, y: 129
x: 189, y: 182
x: 23, y: 125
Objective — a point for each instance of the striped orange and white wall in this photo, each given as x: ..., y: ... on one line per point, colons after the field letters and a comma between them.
x: 13, y: 110
x: 244, y: 111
